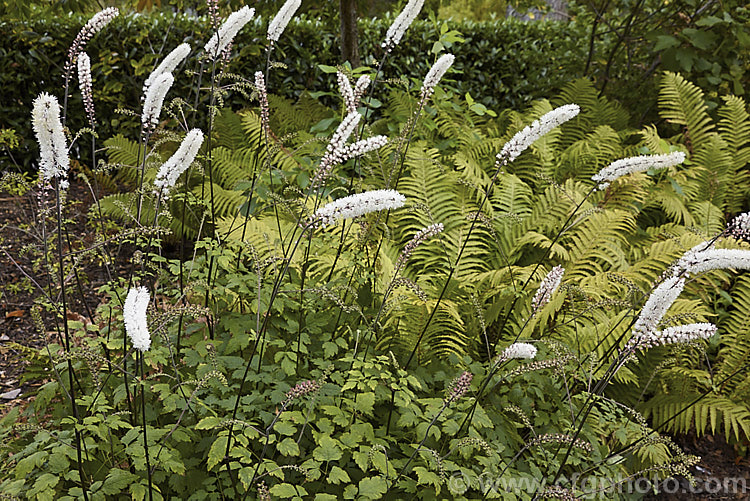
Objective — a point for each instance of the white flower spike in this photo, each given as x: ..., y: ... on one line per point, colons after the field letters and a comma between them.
x: 45, y: 119
x: 228, y: 30
x: 134, y: 314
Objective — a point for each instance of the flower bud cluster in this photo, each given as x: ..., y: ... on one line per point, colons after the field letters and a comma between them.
x: 538, y: 128
x: 561, y: 438
x: 84, y: 80
x: 300, y: 390
x: 227, y: 31
x: 345, y: 88
x: 260, y: 87
x: 739, y: 227
x: 656, y: 306
x: 458, y: 387
x: 416, y: 240
x: 278, y: 24
x: 548, y: 287
x: 92, y: 27
x: 642, y: 163
x: 357, y: 205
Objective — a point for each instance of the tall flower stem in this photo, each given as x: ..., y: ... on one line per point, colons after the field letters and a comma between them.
x: 139, y: 356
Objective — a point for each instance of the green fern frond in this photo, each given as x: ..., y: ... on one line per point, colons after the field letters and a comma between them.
x: 681, y: 102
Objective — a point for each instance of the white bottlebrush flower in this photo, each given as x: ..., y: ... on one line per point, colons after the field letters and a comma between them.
x: 401, y: 23
x: 168, y: 65
x: 92, y: 27
x: 548, y: 287
x: 716, y: 259
x: 345, y: 88
x: 338, y: 151
x: 358, y: 205
x: 739, y: 227
x: 171, y: 170
x: 134, y: 314
x: 519, y: 350
x: 278, y: 24
x: 360, y: 87
x: 642, y: 163
x: 53, y: 149
x: 435, y: 74
x: 674, y: 335
x: 656, y: 306
x: 228, y: 30
x: 84, y: 80
x: 689, y: 257
x: 523, y: 139
x: 154, y: 100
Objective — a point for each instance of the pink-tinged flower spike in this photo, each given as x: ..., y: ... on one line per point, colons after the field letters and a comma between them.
x: 656, y: 306
x: 278, y: 24
x: 458, y: 387
x: 401, y: 23
x: 84, y: 80
x: 178, y: 163
x: 260, y: 86
x: 739, y: 228
x: 625, y: 166
x: 716, y: 259
x: 674, y: 335
x: 519, y: 350
x: 134, y: 314
x: 228, y: 31
x: 416, y: 240
x: 168, y: 65
x: 155, y: 99
x: 45, y: 118
x: 92, y: 27
x: 435, y: 74
x: 548, y: 287
x: 357, y: 205
x: 538, y: 128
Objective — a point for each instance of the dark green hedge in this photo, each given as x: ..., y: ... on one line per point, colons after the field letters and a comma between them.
x: 503, y: 64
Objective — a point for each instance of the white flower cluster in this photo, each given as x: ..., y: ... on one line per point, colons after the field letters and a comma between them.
x: 656, y: 306
x: 739, y: 228
x: 92, y: 27
x: 352, y: 96
x: 178, y: 163
x: 278, y: 24
x: 227, y: 31
x: 689, y: 257
x: 674, y: 335
x: 642, y: 163
x: 338, y: 151
x: 523, y: 139
x: 84, y: 80
x: 548, y: 287
x: 357, y: 205
x: 260, y: 87
x: 519, y: 350
x: 435, y: 74
x: 134, y: 314
x: 45, y: 119
x: 168, y: 65
x: 715, y: 259
x: 416, y: 240
x: 154, y: 100
x: 401, y: 23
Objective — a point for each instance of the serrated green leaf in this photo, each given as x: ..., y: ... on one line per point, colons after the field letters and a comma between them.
x: 338, y: 475
x: 327, y: 450
x: 372, y: 487
x: 288, y: 447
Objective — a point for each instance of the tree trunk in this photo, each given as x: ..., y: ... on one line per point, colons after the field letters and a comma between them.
x: 349, y: 37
